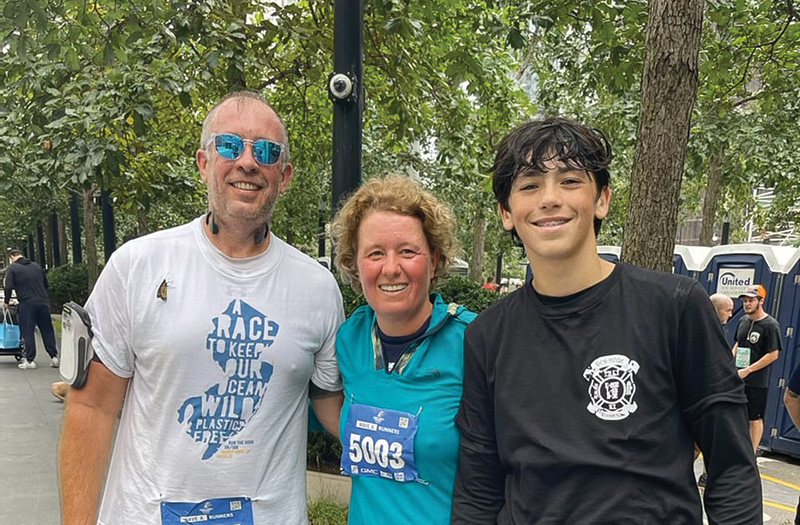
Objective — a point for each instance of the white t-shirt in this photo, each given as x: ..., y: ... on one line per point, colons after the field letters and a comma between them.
x: 220, y: 352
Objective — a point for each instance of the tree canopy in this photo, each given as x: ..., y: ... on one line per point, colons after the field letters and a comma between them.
x: 110, y: 95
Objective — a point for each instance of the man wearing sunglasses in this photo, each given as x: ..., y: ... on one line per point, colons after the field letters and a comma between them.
x: 214, y: 352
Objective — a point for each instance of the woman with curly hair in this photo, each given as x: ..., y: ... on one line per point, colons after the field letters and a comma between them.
x: 401, y: 355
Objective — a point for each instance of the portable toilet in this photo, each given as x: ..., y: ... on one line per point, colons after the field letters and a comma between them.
x: 459, y: 267
x: 689, y: 260
x: 731, y: 268
x: 609, y: 253
x: 781, y: 434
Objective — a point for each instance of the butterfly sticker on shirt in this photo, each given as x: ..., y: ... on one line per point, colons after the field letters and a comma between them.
x: 161, y: 293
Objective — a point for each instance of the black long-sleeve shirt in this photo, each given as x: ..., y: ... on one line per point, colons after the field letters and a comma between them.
x: 29, y: 281
x: 585, y: 410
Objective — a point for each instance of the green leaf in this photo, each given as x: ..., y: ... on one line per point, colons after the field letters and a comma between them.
x: 10, y: 9
x: 108, y: 54
x: 21, y: 15
x: 139, y: 126
x: 212, y: 59
x: 515, y: 39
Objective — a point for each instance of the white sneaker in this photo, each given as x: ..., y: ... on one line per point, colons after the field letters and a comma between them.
x: 27, y: 365
x: 54, y: 362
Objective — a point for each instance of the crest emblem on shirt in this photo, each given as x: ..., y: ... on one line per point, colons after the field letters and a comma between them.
x: 754, y: 337
x: 611, y: 387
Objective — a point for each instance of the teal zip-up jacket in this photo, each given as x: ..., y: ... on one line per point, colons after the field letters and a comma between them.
x: 427, y: 380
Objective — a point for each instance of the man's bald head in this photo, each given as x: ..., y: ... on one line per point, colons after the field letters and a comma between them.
x: 724, y: 306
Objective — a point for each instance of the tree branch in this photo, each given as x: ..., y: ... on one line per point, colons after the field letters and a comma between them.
x: 792, y: 11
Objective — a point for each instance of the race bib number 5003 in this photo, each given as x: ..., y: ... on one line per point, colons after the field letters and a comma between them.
x: 379, y: 442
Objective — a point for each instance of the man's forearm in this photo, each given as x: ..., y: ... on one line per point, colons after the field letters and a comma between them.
x: 327, y: 408
x: 765, y: 361
x: 86, y: 435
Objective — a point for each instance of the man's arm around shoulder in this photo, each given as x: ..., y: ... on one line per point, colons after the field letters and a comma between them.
x: 327, y: 407
x: 86, y: 434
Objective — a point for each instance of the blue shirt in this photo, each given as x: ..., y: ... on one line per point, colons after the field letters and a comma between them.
x: 427, y: 381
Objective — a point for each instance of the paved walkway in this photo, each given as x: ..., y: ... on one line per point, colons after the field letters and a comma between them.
x: 30, y: 418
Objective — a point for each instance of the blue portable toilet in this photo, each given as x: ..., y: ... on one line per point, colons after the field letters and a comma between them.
x: 781, y: 434
x: 609, y: 253
x: 731, y: 268
x: 689, y: 260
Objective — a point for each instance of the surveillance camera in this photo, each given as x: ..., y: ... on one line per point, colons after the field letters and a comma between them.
x: 340, y: 86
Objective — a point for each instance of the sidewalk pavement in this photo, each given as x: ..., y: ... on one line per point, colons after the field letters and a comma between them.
x: 30, y: 418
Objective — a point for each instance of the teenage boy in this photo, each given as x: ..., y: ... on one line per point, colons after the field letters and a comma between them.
x: 758, y: 341
x: 585, y: 390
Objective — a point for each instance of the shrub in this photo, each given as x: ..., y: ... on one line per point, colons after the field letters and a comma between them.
x: 461, y: 290
x: 323, y: 452
x: 351, y: 299
x: 326, y: 512
x: 69, y: 282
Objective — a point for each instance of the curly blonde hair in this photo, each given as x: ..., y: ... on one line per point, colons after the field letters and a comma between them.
x: 398, y: 194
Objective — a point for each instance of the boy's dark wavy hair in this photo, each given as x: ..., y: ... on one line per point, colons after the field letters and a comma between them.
x: 531, y: 145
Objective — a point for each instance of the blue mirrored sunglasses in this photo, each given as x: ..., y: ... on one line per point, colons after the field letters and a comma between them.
x: 230, y: 146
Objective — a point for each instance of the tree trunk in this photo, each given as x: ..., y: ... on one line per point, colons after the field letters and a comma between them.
x: 62, y: 240
x: 669, y: 91
x: 48, y: 243
x: 478, y: 241
x: 54, y: 246
x: 88, y: 231
x: 142, y: 226
x: 711, y: 198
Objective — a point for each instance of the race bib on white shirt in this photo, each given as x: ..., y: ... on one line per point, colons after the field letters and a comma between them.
x: 379, y: 442
x: 222, y: 511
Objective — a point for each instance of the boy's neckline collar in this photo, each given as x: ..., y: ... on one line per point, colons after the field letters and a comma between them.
x: 561, y: 281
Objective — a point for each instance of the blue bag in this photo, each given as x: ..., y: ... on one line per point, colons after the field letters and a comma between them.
x: 9, y: 333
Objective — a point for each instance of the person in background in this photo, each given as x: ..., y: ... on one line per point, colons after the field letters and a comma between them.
x: 724, y: 307
x: 585, y: 389
x: 490, y: 284
x: 401, y: 355
x: 758, y: 341
x: 216, y: 332
x: 30, y: 282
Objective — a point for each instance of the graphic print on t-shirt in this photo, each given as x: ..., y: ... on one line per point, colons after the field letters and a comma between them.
x: 611, y: 387
x: 236, y: 343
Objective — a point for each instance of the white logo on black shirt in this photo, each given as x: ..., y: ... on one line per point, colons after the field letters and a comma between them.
x: 611, y: 387
x: 754, y: 337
